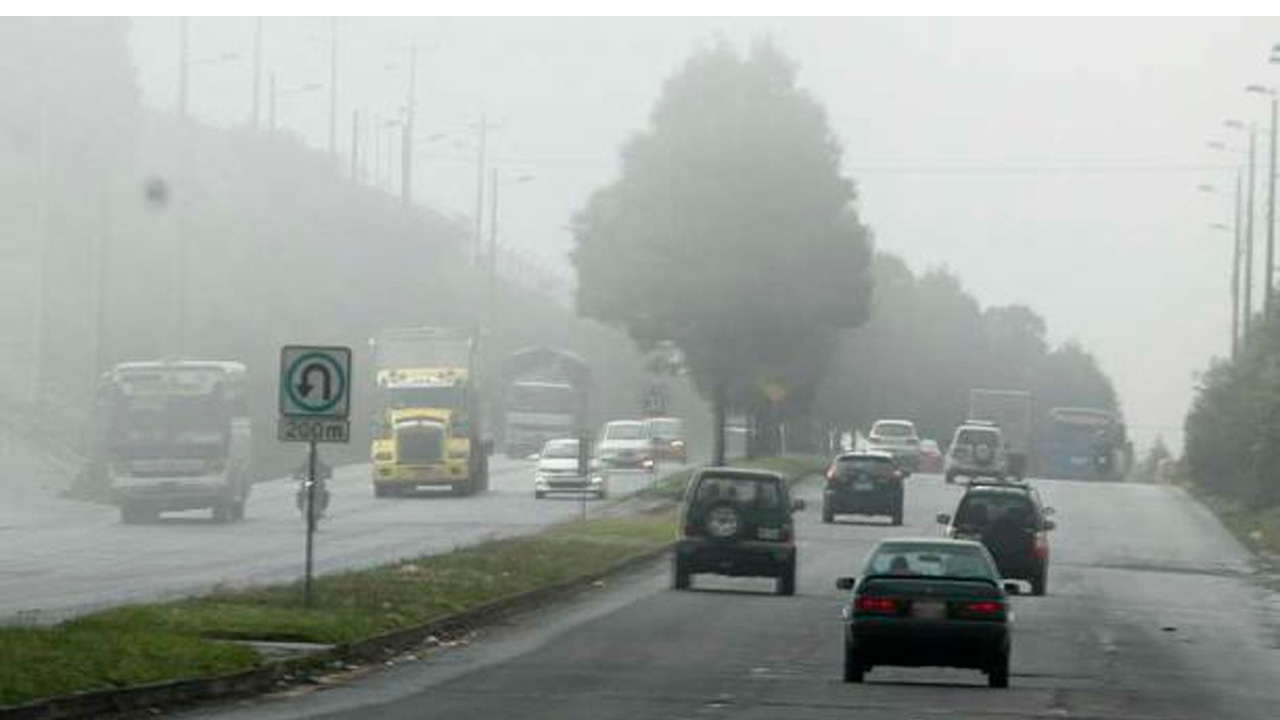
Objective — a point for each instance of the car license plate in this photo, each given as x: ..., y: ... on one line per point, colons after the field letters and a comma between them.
x: 862, y: 486
x: 928, y: 610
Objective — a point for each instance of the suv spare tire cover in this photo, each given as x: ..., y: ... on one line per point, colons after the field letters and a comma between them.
x: 982, y: 452
x: 722, y: 521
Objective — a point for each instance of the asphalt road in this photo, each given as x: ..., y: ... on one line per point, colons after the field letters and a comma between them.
x: 61, y: 557
x: 1153, y: 611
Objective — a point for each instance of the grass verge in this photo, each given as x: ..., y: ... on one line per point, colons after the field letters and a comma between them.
x: 793, y: 467
x: 140, y: 644
x: 1257, y: 528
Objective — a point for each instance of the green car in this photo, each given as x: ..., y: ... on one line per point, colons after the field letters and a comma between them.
x: 737, y: 523
x: 928, y: 602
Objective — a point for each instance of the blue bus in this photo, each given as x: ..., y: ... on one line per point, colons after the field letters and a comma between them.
x: 1084, y: 444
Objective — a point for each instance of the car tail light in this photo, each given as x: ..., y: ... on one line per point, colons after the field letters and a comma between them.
x: 876, y: 605
x: 980, y: 610
x: 690, y: 530
x: 1041, y: 547
x: 831, y: 474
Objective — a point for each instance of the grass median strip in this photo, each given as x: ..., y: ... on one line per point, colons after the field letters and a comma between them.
x: 140, y: 644
x: 793, y: 467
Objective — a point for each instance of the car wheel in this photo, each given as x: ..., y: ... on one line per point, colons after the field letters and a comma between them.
x: 1040, y: 582
x: 602, y: 494
x: 998, y: 673
x: 786, y: 582
x: 237, y: 510
x: 222, y: 512
x: 538, y: 494
x: 951, y: 478
x: 380, y: 491
x: 897, y: 513
x: 828, y: 516
x: 853, y: 667
x: 679, y: 575
x: 136, y: 515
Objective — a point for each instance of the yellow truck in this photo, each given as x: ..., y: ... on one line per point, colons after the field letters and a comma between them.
x: 428, y: 430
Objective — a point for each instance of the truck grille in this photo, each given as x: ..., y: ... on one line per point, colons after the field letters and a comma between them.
x: 420, y: 444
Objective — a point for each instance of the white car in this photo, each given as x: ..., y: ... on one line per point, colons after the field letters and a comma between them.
x: 977, y: 451
x: 558, y: 471
x: 898, y: 438
x: 625, y: 444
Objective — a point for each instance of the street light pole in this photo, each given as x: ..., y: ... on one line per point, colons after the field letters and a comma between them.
x: 1248, y: 232
x: 333, y: 86
x: 1235, y: 270
x: 406, y: 141
x: 1269, y: 275
x: 482, y: 132
x: 257, y: 69
x: 183, y: 68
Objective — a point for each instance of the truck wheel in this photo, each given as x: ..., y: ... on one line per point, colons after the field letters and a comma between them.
x: 1040, y: 582
x: 538, y: 494
x: 951, y: 478
x: 222, y: 512
x: 136, y: 515
x: 237, y: 510
x: 897, y: 512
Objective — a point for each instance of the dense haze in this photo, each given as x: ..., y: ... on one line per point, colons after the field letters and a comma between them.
x: 1047, y: 162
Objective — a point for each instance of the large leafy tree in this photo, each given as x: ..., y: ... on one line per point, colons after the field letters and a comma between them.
x: 731, y: 233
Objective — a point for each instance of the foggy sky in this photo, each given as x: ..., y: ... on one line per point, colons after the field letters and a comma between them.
x: 1047, y: 162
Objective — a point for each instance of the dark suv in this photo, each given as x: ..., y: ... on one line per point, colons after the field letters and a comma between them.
x: 864, y: 483
x: 1009, y: 519
x: 738, y: 523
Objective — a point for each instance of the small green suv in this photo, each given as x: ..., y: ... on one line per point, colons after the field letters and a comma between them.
x: 737, y: 523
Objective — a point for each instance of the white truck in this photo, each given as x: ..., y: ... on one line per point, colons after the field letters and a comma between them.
x: 1013, y: 412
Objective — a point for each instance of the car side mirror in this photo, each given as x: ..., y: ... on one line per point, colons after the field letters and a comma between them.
x: 1049, y: 524
x: 845, y: 583
x: 1012, y: 588
x: 797, y: 505
x: 943, y: 519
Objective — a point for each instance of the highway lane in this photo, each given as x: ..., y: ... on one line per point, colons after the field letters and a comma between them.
x: 1154, y: 612
x: 60, y: 557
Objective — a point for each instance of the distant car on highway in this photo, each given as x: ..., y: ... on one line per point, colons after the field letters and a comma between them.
x: 625, y: 444
x: 898, y: 438
x: 930, y: 456
x: 921, y: 603
x: 864, y: 483
x: 1012, y: 522
x: 738, y: 523
x: 667, y: 436
x: 976, y: 451
x: 558, y: 471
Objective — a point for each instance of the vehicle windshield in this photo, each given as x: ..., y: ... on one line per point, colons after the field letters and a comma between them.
x: 450, y: 396
x: 873, y: 465
x: 409, y: 350
x: 560, y: 450
x: 977, y: 436
x: 665, y: 428
x: 543, y: 398
x: 988, y: 508
x: 625, y: 431
x: 746, y: 492
x: 894, y: 430
x: 930, y: 560
x: 177, y: 425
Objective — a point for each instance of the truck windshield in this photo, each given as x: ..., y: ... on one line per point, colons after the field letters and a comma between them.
x: 179, y: 425
x: 411, y: 352
x: 451, y: 396
x: 543, y: 398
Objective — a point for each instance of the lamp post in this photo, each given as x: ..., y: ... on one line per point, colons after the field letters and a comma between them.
x: 1247, y: 211
x: 1271, y: 197
x: 496, y: 182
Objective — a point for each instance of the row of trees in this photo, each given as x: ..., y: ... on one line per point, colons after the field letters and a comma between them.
x: 1232, y: 442
x: 732, y: 233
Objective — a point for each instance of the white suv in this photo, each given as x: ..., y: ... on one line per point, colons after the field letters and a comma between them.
x: 898, y: 438
x: 977, y: 451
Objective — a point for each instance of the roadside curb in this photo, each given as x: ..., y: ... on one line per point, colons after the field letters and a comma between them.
x: 172, y: 695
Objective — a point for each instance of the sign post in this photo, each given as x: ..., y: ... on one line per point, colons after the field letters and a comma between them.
x: 315, y: 402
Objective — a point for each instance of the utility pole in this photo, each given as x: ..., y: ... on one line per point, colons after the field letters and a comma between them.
x: 1271, y: 214
x: 493, y: 252
x: 355, y: 146
x: 1248, y: 232
x: 406, y: 141
x: 257, y: 69
x: 482, y: 139
x: 1235, y: 268
x: 271, y: 101
x: 333, y: 86
x: 183, y: 68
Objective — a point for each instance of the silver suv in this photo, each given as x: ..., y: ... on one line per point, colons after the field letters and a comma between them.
x: 977, y: 450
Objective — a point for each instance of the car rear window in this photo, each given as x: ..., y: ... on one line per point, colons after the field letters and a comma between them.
x: 893, y: 430
x: 873, y: 465
x: 984, y: 508
x: 923, y: 560
x: 764, y: 492
x: 977, y: 437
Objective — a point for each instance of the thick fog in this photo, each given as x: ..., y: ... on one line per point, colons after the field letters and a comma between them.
x: 1048, y: 162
